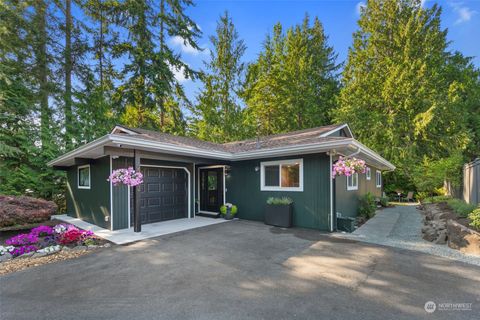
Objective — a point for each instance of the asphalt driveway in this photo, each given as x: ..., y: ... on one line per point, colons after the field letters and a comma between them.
x: 243, y: 270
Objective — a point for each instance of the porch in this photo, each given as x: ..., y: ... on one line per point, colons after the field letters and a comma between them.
x: 151, y: 230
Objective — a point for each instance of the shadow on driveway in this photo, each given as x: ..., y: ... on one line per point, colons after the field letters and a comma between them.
x: 242, y: 270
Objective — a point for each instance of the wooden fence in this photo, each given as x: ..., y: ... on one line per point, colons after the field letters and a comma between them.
x: 471, y: 182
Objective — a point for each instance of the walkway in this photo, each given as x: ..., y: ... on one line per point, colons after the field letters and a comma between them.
x: 150, y: 230
x: 400, y: 227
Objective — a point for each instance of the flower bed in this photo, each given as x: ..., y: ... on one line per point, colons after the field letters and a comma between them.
x: 44, y: 240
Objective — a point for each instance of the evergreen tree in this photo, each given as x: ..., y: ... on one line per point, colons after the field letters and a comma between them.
x: 149, y: 75
x: 398, y: 96
x: 219, y: 113
x: 293, y: 83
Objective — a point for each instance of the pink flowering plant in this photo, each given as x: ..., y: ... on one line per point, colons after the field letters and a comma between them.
x: 348, y: 166
x: 43, y: 237
x: 127, y: 177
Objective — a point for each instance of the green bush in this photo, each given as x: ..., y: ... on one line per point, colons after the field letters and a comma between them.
x: 233, y: 211
x: 279, y: 201
x: 367, y: 205
x: 384, y: 202
x: 475, y: 217
x: 436, y: 199
x: 462, y: 208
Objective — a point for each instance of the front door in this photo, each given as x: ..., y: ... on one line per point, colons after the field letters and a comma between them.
x: 211, y: 189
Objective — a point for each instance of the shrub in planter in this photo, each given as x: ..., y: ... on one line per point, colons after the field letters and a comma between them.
x: 278, y: 212
x: 475, y: 217
x: 24, y: 210
x: 228, y: 211
x: 366, y: 206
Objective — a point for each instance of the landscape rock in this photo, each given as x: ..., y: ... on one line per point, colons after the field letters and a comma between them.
x: 77, y: 248
x: 41, y: 254
x: 26, y: 255
x: 430, y: 235
x: 91, y: 247
x: 7, y: 256
x: 107, y: 245
x: 442, y: 237
x: 462, y: 238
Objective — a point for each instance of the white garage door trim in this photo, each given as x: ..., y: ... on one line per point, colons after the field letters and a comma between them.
x: 189, y: 182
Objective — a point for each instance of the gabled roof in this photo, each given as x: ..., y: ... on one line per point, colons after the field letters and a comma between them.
x: 332, y: 138
x: 305, y: 136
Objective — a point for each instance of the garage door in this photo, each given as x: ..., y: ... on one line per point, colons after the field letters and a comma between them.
x: 163, y: 194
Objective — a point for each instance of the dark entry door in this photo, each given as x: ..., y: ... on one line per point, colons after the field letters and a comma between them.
x: 211, y: 189
x: 163, y: 194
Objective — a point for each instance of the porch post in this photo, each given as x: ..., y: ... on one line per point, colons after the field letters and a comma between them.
x: 137, y: 222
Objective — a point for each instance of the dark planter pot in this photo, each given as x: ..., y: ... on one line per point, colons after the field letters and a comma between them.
x: 279, y: 215
x: 228, y: 215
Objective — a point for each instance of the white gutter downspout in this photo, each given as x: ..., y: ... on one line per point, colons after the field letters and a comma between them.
x: 332, y: 214
x: 331, y: 193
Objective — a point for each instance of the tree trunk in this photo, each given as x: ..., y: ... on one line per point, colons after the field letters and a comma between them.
x: 100, y: 47
x: 68, y: 75
x: 162, y: 43
x: 42, y: 70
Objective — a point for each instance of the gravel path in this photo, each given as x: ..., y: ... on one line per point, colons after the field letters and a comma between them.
x: 400, y: 227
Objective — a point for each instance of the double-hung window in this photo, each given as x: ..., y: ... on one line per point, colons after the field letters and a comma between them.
x: 369, y: 173
x: 352, y: 182
x: 378, y: 179
x: 282, y: 175
x: 83, y: 177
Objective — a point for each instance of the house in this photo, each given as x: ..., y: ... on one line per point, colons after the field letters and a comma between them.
x: 185, y: 177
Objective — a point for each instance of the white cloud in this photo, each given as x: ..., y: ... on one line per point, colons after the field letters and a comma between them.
x: 359, y: 6
x: 178, y: 41
x: 179, y: 73
x: 463, y: 12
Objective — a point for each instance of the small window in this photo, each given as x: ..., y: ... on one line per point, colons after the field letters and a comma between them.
x: 284, y: 175
x: 378, y: 179
x: 369, y: 174
x: 84, y: 177
x: 352, y: 182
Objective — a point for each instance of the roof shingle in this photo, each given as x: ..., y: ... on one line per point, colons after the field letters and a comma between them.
x: 299, y: 137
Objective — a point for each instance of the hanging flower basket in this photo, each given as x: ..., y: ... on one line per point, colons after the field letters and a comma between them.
x: 128, y: 177
x: 348, y: 166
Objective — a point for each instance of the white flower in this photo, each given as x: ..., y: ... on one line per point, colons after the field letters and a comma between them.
x: 6, y: 249
x: 50, y: 249
x: 60, y: 228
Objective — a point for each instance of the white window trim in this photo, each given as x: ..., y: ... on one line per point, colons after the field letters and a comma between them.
x: 369, y: 173
x: 279, y: 163
x: 353, y: 187
x: 377, y: 179
x: 89, y: 177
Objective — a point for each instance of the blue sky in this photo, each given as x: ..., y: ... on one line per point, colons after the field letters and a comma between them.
x: 254, y: 19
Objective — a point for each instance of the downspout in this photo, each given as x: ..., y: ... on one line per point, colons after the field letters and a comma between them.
x: 331, y: 193
x: 194, y: 193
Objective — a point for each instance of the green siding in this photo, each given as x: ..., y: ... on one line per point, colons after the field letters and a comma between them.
x: 347, y: 200
x: 120, y: 196
x: 91, y: 205
x: 311, y: 207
